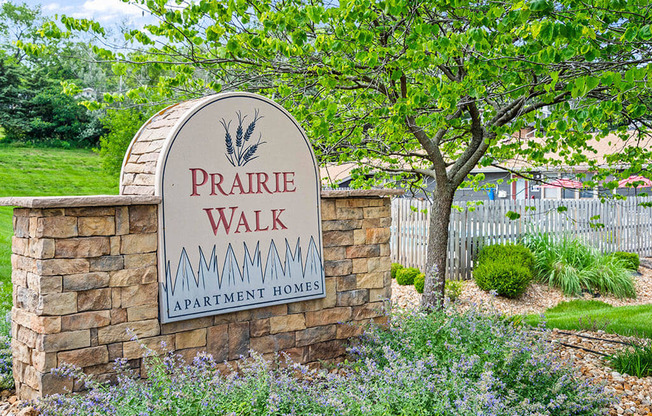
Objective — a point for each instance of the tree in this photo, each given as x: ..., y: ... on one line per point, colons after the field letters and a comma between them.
x: 429, y: 88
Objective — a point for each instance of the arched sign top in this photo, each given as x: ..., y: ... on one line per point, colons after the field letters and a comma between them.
x: 240, y: 225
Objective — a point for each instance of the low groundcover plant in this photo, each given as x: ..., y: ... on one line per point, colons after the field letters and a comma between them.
x: 442, y: 363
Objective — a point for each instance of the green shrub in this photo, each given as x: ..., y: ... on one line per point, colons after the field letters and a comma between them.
x: 419, y: 282
x: 636, y: 361
x: 507, y: 278
x: 453, y: 289
x: 406, y: 276
x: 631, y: 260
x: 512, y: 253
x: 573, y: 266
x: 395, y: 268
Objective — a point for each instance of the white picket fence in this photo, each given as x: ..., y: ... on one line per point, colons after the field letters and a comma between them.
x: 627, y: 227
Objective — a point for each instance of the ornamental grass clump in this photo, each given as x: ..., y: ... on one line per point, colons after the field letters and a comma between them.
x: 635, y: 361
x: 443, y: 363
x: 574, y: 267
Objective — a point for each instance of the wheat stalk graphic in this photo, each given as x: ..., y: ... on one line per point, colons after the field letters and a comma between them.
x: 242, y: 153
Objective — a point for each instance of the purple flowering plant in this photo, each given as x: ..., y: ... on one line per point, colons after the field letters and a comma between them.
x: 450, y: 362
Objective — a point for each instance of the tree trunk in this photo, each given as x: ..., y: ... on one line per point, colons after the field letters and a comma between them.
x: 440, y: 214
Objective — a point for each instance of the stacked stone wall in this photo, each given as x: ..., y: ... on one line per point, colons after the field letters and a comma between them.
x: 85, y: 284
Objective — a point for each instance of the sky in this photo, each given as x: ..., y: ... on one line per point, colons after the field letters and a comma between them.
x: 107, y: 12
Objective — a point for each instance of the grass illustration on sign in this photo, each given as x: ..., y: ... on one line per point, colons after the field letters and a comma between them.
x: 241, y: 153
x: 212, y: 289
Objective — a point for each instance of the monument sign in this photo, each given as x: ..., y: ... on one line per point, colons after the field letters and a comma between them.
x: 240, y: 216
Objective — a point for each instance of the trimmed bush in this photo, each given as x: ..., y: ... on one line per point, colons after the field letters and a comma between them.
x: 406, y: 276
x: 511, y: 253
x: 507, y: 278
x: 395, y: 268
x: 419, y: 282
x: 630, y: 260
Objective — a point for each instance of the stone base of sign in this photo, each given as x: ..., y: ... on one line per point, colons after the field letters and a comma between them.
x: 85, y: 284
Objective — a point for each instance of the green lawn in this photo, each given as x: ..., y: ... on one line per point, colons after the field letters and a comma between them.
x: 591, y: 314
x: 44, y: 172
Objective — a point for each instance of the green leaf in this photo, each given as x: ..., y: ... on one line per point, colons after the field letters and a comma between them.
x: 562, y: 209
x: 513, y: 215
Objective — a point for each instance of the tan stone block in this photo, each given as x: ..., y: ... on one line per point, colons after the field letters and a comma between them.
x: 359, y: 237
x: 343, y: 202
x: 82, y: 247
x: 335, y: 253
x: 137, y: 261
x: 238, y: 340
x: 116, y: 297
x: 119, y: 316
x: 378, y: 235
x: 371, y: 280
x: 120, y: 333
x: 44, y: 361
x: 57, y: 304
x: 328, y: 316
x: 115, y: 350
x: 349, y: 213
x: 384, y: 250
x: 370, y: 310
x: 217, y: 342
x: 341, y: 225
x: 56, y: 227
x: 21, y: 226
x: 94, y: 300
x: 19, y: 278
x: 44, y: 285
x: 54, y: 384
x: 64, y: 341
x: 268, y: 311
x: 21, y: 352
x: 273, y: 343
x: 191, y: 339
x: 338, y: 267
x: 62, y: 266
x: 140, y: 295
x: 315, y: 335
x: 188, y: 325
x: 353, y: 297
x: 115, y: 245
x: 350, y: 329
x: 122, y: 220
x: 85, y: 320
x: 27, y: 299
x: 141, y: 313
x: 328, y: 210
x: 143, y: 219
x: 139, y: 243
x: 27, y: 264
x: 85, y: 281
x: 349, y: 282
x: 127, y: 277
x: 379, y: 295
x: 287, y: 323
x: 372, y: 250
x: 377, y: 212
x: 148, y: 346
x: 20, y: 246
x: 96, y: 226
x: 360, y: 265
x: 337, y: 238
x: 331, y: 293
x: 106, y: 263
x: 306, y: 305
x: 385, y: 222
x: 379, y: 264
x: 326, y: 350
x: 85, y: 357
x: 90, y: 211
x: 259, y: 327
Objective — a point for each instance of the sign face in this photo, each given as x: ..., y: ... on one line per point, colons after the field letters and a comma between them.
x: 240, y: 225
